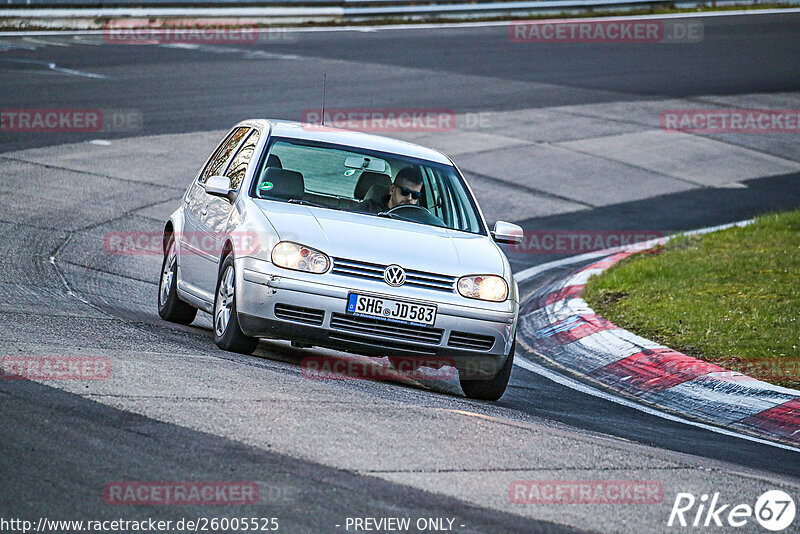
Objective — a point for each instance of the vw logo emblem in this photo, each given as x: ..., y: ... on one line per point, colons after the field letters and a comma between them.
x: 394, y: 275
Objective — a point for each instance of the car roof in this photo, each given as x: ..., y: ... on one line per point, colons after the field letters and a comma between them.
x: 337, y: 136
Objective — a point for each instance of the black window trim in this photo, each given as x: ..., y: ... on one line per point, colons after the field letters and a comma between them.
x: 236, y: 150
x: 233, y: 152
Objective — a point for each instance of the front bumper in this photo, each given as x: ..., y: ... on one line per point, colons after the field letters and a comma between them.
x: 281, y: 304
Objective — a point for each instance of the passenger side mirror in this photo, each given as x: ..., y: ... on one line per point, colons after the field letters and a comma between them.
x: 219, y: 186
x: 507, y: 233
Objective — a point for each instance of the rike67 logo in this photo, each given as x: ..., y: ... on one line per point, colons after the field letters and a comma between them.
x: 774, y: 510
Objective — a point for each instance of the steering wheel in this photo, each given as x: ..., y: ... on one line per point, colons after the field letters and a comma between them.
x: 404, y: 206
x: 417, y: 213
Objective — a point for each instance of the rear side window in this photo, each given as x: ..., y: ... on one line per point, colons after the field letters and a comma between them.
x: 238, y: 166
x: 217, y: 163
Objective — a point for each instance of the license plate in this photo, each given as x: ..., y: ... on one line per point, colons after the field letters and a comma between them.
x: 391, y: 310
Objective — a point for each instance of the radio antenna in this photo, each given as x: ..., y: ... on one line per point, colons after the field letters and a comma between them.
x: 324, y: 75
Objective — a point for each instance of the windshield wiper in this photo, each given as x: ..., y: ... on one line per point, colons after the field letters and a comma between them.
x: 306, y: 203
x: 395, y: 216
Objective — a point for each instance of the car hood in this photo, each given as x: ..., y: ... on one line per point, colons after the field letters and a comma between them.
x: 384, y: 241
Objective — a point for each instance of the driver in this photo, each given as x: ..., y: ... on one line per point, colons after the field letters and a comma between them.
x: 406, y: 189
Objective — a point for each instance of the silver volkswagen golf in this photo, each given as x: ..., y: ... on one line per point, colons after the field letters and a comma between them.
x: 344, y: 240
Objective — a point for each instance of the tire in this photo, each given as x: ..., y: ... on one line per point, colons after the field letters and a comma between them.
x: 493, y: 388
x: 170, y: 307
x: 228, y: 334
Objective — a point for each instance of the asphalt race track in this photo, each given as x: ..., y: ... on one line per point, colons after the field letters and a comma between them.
x: 551, y: 136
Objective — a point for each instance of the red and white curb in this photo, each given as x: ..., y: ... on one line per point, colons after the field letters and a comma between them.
x: 557, y: 324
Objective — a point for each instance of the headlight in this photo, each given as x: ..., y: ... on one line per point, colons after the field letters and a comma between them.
x: 300, y: 258
x: 483, y: 287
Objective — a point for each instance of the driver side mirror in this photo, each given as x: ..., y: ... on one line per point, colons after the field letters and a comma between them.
x: 507, y: 233
x: 219, y: 186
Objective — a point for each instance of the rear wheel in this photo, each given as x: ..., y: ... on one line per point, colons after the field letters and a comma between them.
x: 170, y: 307
x: 493, y: 388
x: 228, y: 334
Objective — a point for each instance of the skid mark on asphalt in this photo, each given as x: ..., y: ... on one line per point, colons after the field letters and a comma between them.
x: 37, y: 43
x: 5, y: 46
x: 45, y: 42
x: 43, y: 67
x: 88, y: 40
x: 245, y: 53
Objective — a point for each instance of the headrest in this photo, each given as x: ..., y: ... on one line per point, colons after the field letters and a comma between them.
x: 369, y: 179
x: 284, y: 184
x: 377, y: 192
x: 274, y: 161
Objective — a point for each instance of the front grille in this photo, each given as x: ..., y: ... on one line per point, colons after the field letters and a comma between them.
x: 374, y: 271
x: 465, y: 340
x: 299, y: 315
x: 376, y: 327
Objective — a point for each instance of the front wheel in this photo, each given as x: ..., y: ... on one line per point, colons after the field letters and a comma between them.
x: 493, y: 388
x: 228, y: 334
x: 170, y: 307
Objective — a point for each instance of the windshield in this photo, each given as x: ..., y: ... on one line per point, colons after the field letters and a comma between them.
x: 369, y: 182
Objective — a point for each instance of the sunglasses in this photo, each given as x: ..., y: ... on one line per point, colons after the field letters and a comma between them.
x: 404, y: 191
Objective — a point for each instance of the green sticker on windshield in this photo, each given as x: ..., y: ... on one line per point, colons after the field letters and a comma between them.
x: 349, y: 172
x: 266, y: 186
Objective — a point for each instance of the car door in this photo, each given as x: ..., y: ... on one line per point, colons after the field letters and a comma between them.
x: 194, y: 251
x: 221, y: 217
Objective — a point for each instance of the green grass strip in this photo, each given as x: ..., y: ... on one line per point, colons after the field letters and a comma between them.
x: 730, y: 297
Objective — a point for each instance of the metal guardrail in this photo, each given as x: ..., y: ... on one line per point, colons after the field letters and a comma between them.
x: 525, y: 5
x: 347, y: 4
x: 65, y: 9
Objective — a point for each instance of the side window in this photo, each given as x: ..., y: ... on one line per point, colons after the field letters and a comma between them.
x: 238, y: 166
x: 217, y: 163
